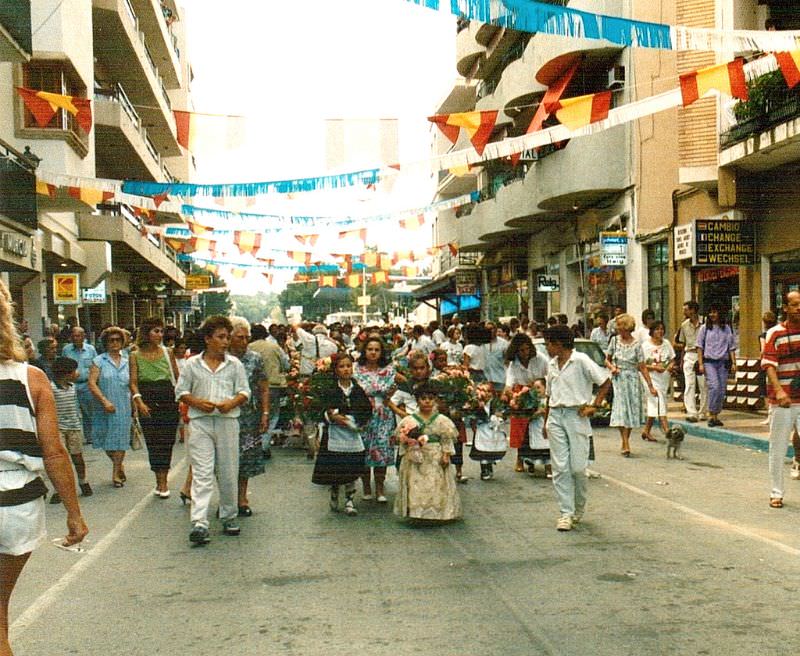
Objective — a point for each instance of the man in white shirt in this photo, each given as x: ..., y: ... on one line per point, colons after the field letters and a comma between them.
x: 686, y: 341
x: 571, y: 377
x: 421, y: 342
x: 437, y: 335
x: 214, y: 384
x: 315, y: 345
x: 494, y: 353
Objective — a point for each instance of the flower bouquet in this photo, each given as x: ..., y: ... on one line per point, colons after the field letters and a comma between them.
x: 522, y: 400
x: 455, y: 390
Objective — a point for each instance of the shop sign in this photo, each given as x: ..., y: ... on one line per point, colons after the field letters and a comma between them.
x: 718, y: 242
x: 683, y: 242
x: 94, y: 294
x: 466, y: 283
x: 721, y: 273
x: 14, y: 244
x: 363, y: 301
x: 614, y: 248
x: 547, y: 283
x: 66, y: 288
x: 198, y: 281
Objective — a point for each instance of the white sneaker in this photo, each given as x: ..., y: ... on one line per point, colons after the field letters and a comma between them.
x: 795, y: 470
x: 564, y: 523
x: 349, y: 508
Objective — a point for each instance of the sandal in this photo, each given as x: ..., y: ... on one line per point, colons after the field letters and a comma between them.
x: 776, y: 503
x: 648, y: 438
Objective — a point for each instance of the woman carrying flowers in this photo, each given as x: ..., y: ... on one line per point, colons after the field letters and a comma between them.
x: 427, y: 488
x: 490, y: 442
x: 344, y: 409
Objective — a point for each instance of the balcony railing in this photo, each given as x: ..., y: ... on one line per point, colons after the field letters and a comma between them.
x: 771, y: 103
x: 118, y: 95
x: 17, y: 186
x: 15, y: 17
x: 143, y: 41
x: 497, y: 182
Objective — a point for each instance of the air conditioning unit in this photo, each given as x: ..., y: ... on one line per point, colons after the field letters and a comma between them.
x: 616, y: 77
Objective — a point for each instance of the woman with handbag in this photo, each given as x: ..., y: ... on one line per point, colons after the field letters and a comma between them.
x: 341, y: 457
x: 427, y: 488
x: 153, y: 375
x: 109, y: 384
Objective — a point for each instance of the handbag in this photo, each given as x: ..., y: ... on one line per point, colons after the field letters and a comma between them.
x: 137, y: 437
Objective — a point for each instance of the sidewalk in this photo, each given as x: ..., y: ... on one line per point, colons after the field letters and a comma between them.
x: 741, y: 428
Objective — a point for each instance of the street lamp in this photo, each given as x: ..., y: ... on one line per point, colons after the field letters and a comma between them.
x: 32, y: 158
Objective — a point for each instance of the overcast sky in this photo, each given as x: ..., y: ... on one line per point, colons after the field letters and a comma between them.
x: 289, y: 65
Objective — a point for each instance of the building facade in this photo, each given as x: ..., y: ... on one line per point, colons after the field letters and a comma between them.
x: 129, y: 58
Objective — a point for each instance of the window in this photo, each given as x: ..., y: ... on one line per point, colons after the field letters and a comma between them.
x: 658, y: 280
x: 55, y: 76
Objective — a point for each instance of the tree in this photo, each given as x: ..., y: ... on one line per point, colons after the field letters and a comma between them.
x: 255, y: 308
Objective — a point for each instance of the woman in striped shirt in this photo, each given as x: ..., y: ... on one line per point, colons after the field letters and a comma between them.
x: 29, y: 443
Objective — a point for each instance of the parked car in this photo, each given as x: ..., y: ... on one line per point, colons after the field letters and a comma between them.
x: 592, y: 349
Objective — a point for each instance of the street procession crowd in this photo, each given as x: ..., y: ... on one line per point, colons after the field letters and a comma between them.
x: 359, y: 400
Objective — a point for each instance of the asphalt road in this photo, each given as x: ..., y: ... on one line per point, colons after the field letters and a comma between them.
x: 672, y: 558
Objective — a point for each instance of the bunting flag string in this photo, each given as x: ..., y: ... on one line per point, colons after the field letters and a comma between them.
x: 726, y: 78
x: 44, y: 106
x: 581, y: 111
x: 789, y: 63
x: 199, y: 132
x: 530, y: 16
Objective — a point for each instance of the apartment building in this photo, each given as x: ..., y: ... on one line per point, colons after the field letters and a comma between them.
x: 537, y: 226
x: 129, y: 57
x: 739, y: 164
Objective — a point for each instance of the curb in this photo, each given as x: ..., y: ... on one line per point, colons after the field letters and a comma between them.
x: 726, y: 436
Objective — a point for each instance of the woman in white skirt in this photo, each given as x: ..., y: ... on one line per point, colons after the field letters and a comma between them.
x: 659, y: 358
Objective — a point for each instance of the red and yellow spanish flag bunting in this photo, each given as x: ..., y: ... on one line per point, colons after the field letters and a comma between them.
x: 248, y: 242
x: 385, y: 262
x: 789, y: 63
x: 327, y: 281
x: 360, y: 234
x: 209, y: 132
x: 479, y: 126
x: 90, y: 196
x: 354, y: 280
x: 370, y: 259
x: 268, y: 276
x: 414, y: 223
x: 580, y: 111
x: 239, y: 273
x: 726, y: 78
x: 300, y: 257
x: 380, y: 277
x: 46, y: 189
x: 44, y: 105
x: 307, y: 240
x: 410, y: 271
x: 198, y: 229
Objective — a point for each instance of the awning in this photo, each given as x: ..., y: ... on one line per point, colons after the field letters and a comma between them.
x: 444, y: 286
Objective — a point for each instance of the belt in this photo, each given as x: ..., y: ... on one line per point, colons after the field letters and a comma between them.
x: 29, y: 492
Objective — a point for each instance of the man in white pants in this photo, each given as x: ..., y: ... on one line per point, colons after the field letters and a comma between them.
x: 686, y: 339
x: 570, y: 378
x: 781, y: 360
x: 214, y: 384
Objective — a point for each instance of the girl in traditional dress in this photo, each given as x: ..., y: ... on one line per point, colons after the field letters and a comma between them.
x: 377, y: 378
x: 340, y: 460
x: 537, y: 449
x: 427, y: 488
x: 490, y: 442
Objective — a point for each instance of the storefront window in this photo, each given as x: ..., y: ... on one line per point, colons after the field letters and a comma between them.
x: 605, y: 287
x: 784, y: 277
x: 657, y: 280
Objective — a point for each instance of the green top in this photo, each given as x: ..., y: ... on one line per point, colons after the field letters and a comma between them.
x: 153, y: 371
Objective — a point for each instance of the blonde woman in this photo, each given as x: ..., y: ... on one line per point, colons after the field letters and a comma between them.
x: 625, y: 360
x: 29, y: 445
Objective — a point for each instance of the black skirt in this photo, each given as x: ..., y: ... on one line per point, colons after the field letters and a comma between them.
x: 336, y: 467
x: 489, y: 456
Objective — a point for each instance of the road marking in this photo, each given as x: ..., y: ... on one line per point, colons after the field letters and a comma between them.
x: 43, y: 602
x: 708, y: 519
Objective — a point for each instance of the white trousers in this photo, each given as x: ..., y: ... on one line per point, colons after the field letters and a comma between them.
x: 782, y: 422
x: 214, y: 446
x: 568, y: 434
x: 693, y: 381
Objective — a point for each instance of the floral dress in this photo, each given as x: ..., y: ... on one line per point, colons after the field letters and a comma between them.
x: 251, y: 453
x: 378, y: 435
x: 627, y: 409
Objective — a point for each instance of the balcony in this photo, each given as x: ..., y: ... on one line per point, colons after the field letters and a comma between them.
x: 17, y: 187
x: 586, y: 172
x: 120, y: 47
x: 767, y: 134
x: 122, y: 147
x: 160, y: 39
x: 133, y: 251
x: 468, y: 50
x: 16, y: 42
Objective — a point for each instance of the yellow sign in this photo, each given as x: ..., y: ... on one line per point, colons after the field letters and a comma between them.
x: 198, y: 281
x: 66, y: 288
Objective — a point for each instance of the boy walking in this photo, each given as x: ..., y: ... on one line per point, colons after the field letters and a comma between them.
x: 570, y: 378
x: 65, y: 373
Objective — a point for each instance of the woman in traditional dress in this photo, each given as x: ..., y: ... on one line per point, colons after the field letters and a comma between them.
x: 254, y: 415
x: 377, y: 378
x: 490, y: 442
x: 659, y: 358
x: 625, y: 359
x: 109, y: 383
x: 346, y: 410
x: 427, y: 488
x: 153, y: 375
